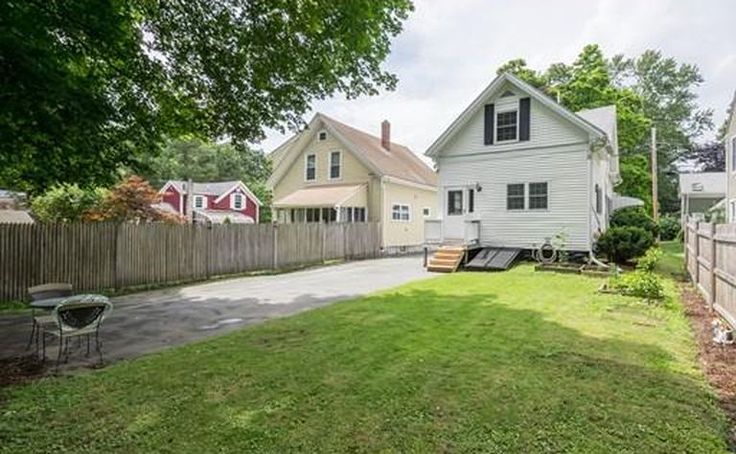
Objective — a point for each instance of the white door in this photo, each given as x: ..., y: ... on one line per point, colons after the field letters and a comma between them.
x: 453, y: 225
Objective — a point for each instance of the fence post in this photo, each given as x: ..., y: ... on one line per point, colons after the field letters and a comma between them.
x: 697, y: 253
x: 686, y: 242
x: 275, y: 246
x: 323, y: 227
x: 116, y: 239
x: 712, y: 296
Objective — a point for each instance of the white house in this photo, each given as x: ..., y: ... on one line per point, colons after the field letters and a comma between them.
x: 700, y: 192
x: 731, y: 163
x: 517, y: 169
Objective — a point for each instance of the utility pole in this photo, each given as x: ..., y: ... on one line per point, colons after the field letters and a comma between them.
x: 655, y: 192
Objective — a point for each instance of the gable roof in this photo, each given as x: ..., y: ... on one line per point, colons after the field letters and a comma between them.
x: 604, y: 118
x: 400, y: 162
x: 215, y: 188
x: 730, y: 122
x: 491, y: 89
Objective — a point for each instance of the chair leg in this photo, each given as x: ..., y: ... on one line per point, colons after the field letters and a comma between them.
x: 87, y: 354
x: 66, y: 351
x: 98, y: 345
x: 43, y: 343
x: 32, y: 337
x: 61, y: 350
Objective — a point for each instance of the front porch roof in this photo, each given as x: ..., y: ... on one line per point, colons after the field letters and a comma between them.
x: 325, y: 197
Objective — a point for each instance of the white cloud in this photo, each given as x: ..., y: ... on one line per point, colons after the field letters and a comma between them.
x: 450, y: 50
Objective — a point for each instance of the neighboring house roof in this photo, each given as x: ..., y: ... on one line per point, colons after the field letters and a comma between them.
x: 278, y: 154
x: 15, y: 217
x: 586, y: 124
x: 703, y: 184
x: 320, y: 196
x: 219, y: 188
x: 398, y: 162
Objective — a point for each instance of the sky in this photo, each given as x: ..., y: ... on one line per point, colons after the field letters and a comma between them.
x: 450, y: 49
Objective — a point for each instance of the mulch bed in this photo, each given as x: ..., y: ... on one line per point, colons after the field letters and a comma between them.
x: 20, y: 369
x: 718, y: 362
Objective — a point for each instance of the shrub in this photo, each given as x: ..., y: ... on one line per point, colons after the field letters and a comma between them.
x: 642, y: 284
x: 622, y: 244
x: 66, y: 203
x: 649, y: 260
x: 669, y: 227
x: 634, y: 217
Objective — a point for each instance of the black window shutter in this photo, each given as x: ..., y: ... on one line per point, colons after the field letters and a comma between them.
x: 488, y: 123
x: 524, y: 114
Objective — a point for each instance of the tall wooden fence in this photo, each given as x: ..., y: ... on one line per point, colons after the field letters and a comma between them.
x: 94, y: 257
x: 710, y: 256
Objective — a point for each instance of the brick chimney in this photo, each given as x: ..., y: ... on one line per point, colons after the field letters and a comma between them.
x: 386, y: 135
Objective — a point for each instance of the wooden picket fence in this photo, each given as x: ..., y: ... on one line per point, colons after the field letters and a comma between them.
x: 710, y: 256
x: 99, y: 256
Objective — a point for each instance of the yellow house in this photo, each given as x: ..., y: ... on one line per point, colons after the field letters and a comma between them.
x: 331, y: 172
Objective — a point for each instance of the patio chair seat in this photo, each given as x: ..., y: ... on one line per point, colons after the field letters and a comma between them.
x: 44, y: 319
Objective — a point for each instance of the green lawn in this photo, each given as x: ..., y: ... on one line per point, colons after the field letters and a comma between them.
x: 494, y: 362
x: 672, y: 263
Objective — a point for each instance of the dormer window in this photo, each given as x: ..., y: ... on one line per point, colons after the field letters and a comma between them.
x: 507, y: 125
x: 200, y: 202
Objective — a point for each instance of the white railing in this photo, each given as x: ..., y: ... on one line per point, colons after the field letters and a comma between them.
x: 432, y: 231
x: 472, y: 232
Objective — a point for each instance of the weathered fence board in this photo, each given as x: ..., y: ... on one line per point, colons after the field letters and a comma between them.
x: 710, y: 257
x: 95, y: 257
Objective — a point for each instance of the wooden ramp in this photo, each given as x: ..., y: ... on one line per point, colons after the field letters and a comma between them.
x: 446, y: 259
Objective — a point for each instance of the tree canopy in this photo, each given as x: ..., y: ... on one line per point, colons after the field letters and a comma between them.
x: 649, y: 90
x: 88, y: 87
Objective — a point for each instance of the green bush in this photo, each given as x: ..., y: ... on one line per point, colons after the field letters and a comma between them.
x: 66, y: 203
x: 642, y: 284
x: 669, y: 227
x: 622, y: 244
x: 649, y: 261
x: 634, y: 217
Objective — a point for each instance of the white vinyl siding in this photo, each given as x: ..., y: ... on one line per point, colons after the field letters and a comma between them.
x: 547, y: 129
x: 564, y: 169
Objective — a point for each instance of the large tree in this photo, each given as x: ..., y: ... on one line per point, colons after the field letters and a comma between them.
x: 650, y: 90
x: 88, y: 86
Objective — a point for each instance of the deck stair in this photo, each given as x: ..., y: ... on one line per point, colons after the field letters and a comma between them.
x: 446, y: 259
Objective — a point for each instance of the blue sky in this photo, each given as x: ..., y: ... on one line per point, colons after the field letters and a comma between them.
x: 449, y: 51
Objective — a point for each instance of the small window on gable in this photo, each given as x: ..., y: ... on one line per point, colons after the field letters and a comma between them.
x: 310, y: 167
x: 238, y: 201
x: 322, y: 135
x: 507, y: 94
x: 335, y: 171
x: 506, y: 125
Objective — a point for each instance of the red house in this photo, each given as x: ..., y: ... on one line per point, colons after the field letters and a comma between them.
x: 213, y: 202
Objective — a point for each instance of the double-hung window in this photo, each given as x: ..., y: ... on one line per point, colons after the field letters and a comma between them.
x: 200, y: 202
x: 537, y: 196
x: 515, y: 196
x: 400, y: 212
x: 310, y: 167
x: 335, y: 162
x: 507, y: 125
x: 237, y: 201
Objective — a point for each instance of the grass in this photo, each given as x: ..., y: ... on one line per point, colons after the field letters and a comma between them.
x: 493, y: 362
x: 672, y: 262
x: 14, y: 307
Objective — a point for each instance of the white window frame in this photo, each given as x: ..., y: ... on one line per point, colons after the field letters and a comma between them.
x: 322, y: 135
x: 400, y: 209
x: 329, y: 166
x: 233, y: 198
x: 204, y: 202
x: 495, y: 125
x: 529, y: 196
x: 522, y: 196
x: 306, y: 167
x: 426, y: 212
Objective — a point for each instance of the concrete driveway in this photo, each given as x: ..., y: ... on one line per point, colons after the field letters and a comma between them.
x: 151, y: 321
